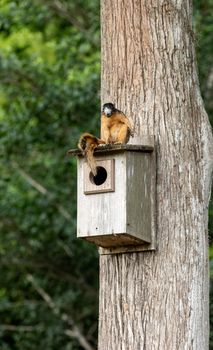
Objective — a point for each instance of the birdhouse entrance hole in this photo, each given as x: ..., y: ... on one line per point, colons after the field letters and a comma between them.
x: 100, y: 177
x: 104, y: 181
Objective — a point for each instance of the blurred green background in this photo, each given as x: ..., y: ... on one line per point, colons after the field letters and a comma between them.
x: 49, y: 94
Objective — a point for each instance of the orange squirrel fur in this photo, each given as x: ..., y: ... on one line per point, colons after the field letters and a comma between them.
x: 115, y: 126
x: 87, y: 144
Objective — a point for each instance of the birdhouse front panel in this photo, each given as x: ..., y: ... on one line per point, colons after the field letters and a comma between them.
x: 101, y: 213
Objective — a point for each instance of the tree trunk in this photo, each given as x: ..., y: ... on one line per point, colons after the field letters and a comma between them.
x: 159, y: 300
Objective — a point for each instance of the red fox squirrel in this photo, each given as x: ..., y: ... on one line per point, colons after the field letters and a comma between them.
x: 115, y: 126
x: 87, y: 144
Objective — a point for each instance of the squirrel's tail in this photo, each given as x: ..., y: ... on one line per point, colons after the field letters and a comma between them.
x: 87, y: 144
x: 90, y: 155
x: 90, y: 159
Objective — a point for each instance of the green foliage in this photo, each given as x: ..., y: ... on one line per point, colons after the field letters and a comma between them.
x: 49, y: 72
x: 203, y: 26
x: 49, y: 94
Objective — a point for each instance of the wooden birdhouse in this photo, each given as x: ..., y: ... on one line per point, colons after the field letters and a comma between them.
x: 116, y: 208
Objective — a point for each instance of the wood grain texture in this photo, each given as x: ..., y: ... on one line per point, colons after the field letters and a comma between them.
x: 95, y: 210
x: 159, y: 300
x: 138, y: 194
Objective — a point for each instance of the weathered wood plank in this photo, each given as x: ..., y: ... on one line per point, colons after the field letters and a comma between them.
x: 127, y: 249
x: 146, y: 147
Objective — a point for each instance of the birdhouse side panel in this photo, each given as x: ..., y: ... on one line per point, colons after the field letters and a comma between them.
x: 139, y: 177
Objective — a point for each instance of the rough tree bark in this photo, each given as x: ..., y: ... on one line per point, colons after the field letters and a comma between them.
x: 159, y: 300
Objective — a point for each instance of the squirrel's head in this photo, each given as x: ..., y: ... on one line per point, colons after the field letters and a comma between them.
x: 108, y: 109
